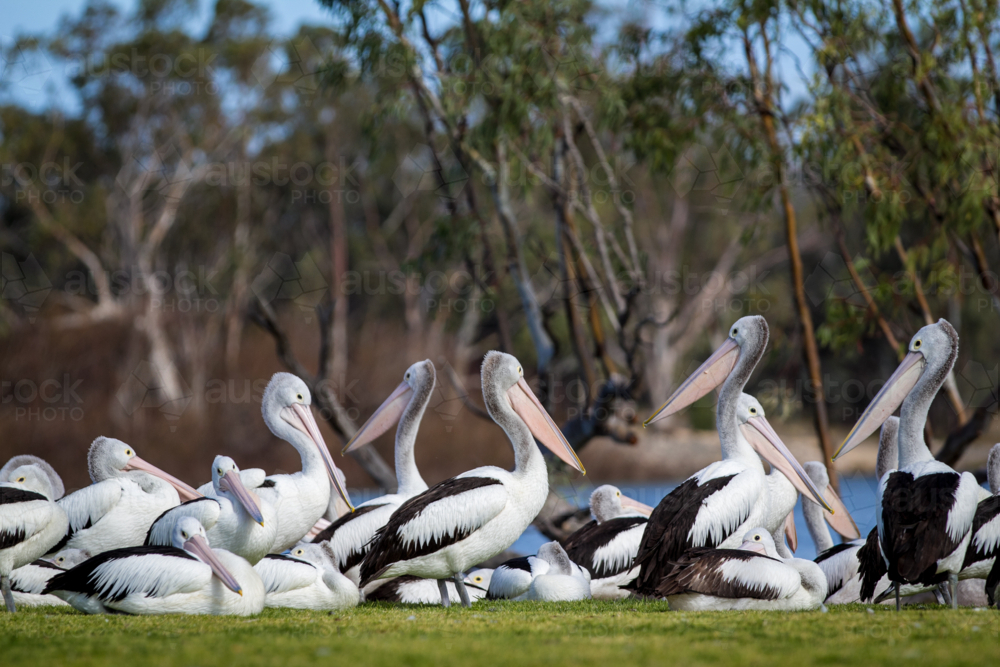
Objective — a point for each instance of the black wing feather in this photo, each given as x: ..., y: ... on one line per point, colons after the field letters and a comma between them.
x: 871, y: 565
x: 356, y: 555
x: 700, y: 571
x: 986, y: 511
x: 582, y: 545
x: 81, y: 579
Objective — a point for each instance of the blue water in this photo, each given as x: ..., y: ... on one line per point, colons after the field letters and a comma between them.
x: 857, y: 491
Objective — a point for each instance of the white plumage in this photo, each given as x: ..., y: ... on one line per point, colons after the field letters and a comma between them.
x: 306, y: 578
x: 28, y: 581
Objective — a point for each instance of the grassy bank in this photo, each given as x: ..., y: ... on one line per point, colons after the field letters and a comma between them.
x: 509, y: 633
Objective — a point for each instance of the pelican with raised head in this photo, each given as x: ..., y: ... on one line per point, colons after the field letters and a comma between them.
x: 350, y: 536
x: 717, y: 505
x: 463, y: 521
x: 925, y: 509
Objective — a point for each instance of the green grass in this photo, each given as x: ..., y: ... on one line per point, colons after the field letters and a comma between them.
x: 612, y: 634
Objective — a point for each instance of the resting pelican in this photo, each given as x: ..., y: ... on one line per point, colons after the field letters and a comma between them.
x: 30, y: 521
x: 414, y: 590
x: 564, y: 581
x: 127, y: 495
x: 28, y: 582
x: 235, y: 520
x: 467, y: 519
x: 925, y: 509
x: 186, y: 578
x: 514, y: 578
x: 300, y: 498
x: 751, y: 577
x: 718, y: 504
x: 350, y: 536
x: 607, y: 545
x: 306, y: 578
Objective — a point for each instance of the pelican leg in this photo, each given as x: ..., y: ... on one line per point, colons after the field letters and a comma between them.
x: 897, y: 596
x: 8, y: 597
x: 953, y: 580
x: 940, y: 596
x: 462, y: 592
x: 443, y: 587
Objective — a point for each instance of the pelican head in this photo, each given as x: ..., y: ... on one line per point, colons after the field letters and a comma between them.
x: 760, y: 541
x: 286, y: 410
x: 227, y: 483
x: 58, y: 490
x: 762, y: 437
x: 109, y: 458
x: 312, y: 553
x: 69, y: 558
x: 416, y: 388
x: 557, y: 558
x: 30, y: 478
x: 607, y: 502
x: 480, y: 579
x: 504, y: 388
x: 932, y: 353
x: 747, y: 338
x: 189, y: 535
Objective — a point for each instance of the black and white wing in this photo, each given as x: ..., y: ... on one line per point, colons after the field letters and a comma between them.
x: 350, y: 536
x: 839, y: 564
x: 607, y: 549
x: 161, y: 531
x: 985, y: 543
x: 730, y: 573
x: 513, y: 578
x: 442, y: 515
x: 152, y: 571
x: 22, y: 514
x: 87, y: 506
x: 282, y: 574
x: 32, y: 578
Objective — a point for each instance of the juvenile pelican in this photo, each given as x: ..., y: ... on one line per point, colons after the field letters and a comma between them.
x: 606, y: 546
x: 235, y: 520
x: 127, y: 495
x: 717, y: 505
x: 751, y: 577
x: 30, y: 521
x: 300, y: 498
x: 306, y: 578
x: 28, y: 581
x: 467, y: 519
x: 351, y: 535
x: 186, y: 578
x: 925, y: 509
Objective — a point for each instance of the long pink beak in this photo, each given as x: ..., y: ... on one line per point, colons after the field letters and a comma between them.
x: 301, y: 417
x: 766, y: 442
x: 790, y: 534
x: 888, y: 399
x: 232, y: 483
x: 709, y: 375
x: 199, y: 547
x: 641, y: 508
x: 840, y: 520
x: 185, y: 491
x: 382, y: 419
x: 756, y: 547
x: 529, y: 408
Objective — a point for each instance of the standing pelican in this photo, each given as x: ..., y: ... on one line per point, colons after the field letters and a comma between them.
x: 185, y: 578
x: 306, y: 578
x: 235, y: 520
x: 127, y: 495
x: 925, y: 509
x: 607, y: 545
x: 982, y: 559
x: 718, y: 504
x: 467, y: 519
x: 350, y: 536
x: 30, y: 521
x: 28, y: 581
x: 751, y: 577
x: 300, y: 498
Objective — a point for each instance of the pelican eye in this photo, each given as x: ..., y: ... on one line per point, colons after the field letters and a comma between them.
x: 756, y: 538
x: 519, y: 371
x: 20, y: 479
x: 753, y: 411
x: 299, y: 552
x: 128, y: 452
x: 478, y: 579
x: 407, y: 377
x: 299, y: 397
x: 916, y: 344
x: 220, y: 470
x: 735, y: 331
x: 184, y: 535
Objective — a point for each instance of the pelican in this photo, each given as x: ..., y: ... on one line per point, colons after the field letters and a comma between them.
x: 349, y: 537
x: 414, y: 590
x: 717, y: 505
x: 235, y: 520
x: 751, y: 577
x: 606, y: 546
x: 300, y: 498
x: 31, y: 522
x: 188, y: 577
x: 564, y: 581
x: 127, y: 495
x: 27, y: 582
x: 925, y: 509
x: 467, y: 519
x: 513, y: 579
x: 306, y: 578
x: 982, y: 559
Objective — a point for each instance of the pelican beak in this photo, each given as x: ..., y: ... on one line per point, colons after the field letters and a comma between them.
x: 766, y: 442
x: 199, y: 547
x: 527, y: 406
x: 301, y: 417
x: 840, y: 520
x: 888, y: 399
x: 383, y: 419
x: 709, y: 375
x: 756, y: 547
x: 790, y: 535
x: 232, y: 483
x: 641, y: 508
x: 185, y: 491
